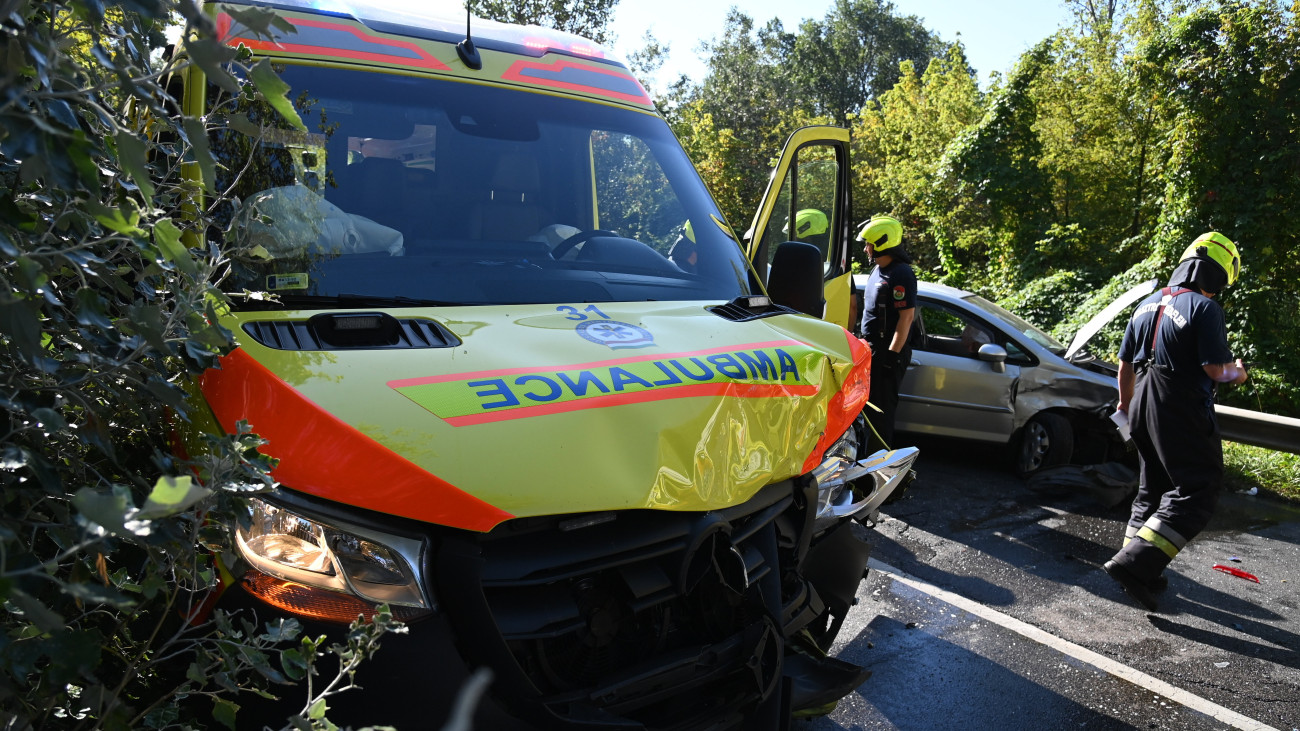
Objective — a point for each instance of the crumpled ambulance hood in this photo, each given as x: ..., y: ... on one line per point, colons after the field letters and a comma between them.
x: 543, y: 410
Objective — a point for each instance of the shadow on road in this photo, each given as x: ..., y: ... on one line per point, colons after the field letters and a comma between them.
x: 923, y: 681
x: 972, y: 587
x: 1229, y: 612
x: 967, y: 494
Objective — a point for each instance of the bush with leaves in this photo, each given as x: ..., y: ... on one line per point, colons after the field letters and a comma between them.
x: 107, y: 310
x: 1228, y: 90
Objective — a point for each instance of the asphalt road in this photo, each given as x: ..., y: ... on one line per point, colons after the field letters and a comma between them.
x: 988, y: 609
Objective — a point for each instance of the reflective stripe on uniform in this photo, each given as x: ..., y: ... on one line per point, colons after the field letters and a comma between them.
x: 1161, y: 527
x: 1129, y: 532
x: 1158, y: 541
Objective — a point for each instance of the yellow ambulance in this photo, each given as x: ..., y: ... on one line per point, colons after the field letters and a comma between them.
x: 528, y: 388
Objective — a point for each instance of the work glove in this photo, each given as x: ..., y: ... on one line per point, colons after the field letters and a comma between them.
x: 887, y: 359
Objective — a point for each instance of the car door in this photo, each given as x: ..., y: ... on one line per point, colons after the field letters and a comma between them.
x: 948, y: 390
x: 811, y: 176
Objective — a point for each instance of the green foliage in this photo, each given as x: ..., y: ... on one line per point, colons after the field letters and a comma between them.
x: 645, y: 63
x: 1096, y: 297
x: 898, y: 144
x: 742, y: 108
x: 1193, y: 131
x: 1247, y: 467
x: 1226, y: 91
x: 764, y: 83
x: 587, y: 18
x: 715, y: 153
x: 1097, y: 147
x: 112, y: 523
x: 1087, y: 170
x: 1051, y: 299
x: 360, y: 643
x: 853, y: 55
x: 990, y: 180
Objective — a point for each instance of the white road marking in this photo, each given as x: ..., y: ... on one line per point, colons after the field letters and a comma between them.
x: 1083, y: 654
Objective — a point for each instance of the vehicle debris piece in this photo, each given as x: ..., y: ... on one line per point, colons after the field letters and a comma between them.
x: 1236, y: 572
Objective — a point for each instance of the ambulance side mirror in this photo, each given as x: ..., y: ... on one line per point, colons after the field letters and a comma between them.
x: 795, y: 279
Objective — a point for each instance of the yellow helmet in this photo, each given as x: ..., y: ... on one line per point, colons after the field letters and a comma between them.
x: 1219, y: 249
x: 882, y: 232
x: 807, y: 222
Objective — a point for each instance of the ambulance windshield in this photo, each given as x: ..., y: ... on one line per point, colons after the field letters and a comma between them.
x: 433, y: 190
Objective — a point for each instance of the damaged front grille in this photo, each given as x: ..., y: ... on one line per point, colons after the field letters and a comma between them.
x: 669, y: 620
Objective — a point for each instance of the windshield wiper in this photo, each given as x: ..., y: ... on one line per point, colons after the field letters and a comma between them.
x: 350, y: 301
x: 393, y: 300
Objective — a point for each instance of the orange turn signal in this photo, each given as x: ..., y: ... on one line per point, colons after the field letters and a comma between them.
x: 320, y: 604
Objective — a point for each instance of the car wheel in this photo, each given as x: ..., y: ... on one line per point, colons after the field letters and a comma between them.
x: 1046, y: 441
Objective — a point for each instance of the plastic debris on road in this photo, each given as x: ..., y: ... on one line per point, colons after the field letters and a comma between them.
x: 1236, y: 572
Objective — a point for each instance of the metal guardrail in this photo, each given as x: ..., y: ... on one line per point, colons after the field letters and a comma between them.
x: 1281, y: 433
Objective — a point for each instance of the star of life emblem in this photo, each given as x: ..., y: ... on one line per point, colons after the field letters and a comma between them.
x: 615, y: 335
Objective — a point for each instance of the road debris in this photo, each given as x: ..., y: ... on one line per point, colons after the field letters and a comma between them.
x: 1236, y: 572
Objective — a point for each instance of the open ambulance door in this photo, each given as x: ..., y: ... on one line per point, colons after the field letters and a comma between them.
x: 812, y: 177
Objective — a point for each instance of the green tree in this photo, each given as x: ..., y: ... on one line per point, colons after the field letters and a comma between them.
x: 1226, y: 96
x: 1221, y: 83
x: 991, y: 200
x: 110, y: 522
x: 897, y: 146
x: 587, y: 18
x: 745, y: 98
x: 717, y: 155
x: 1101, y: 158
x: 853, y: 55
x: 646, y: 63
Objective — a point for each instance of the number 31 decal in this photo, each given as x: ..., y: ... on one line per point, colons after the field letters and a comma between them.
x: 574, y: 314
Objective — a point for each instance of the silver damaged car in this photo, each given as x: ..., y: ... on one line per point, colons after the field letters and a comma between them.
x: 980, y: 372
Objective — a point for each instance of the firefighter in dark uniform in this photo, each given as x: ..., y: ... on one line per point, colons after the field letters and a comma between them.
x: 1174, y: 351
x: 889, y: 306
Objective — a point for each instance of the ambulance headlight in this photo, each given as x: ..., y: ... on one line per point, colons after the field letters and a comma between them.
x: 373, y: 566
x: 830, y: 476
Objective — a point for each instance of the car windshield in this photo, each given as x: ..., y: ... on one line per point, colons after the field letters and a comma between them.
x: 411, y: 190
x: 1020, y: 326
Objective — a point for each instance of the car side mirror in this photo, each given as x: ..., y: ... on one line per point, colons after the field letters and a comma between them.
x: 795, y: 278
x: 995, y: 354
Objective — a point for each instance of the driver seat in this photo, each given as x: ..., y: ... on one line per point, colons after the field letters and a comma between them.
x: 511, y: 212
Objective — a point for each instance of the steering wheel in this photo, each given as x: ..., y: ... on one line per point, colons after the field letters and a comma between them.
x: 567, y: 245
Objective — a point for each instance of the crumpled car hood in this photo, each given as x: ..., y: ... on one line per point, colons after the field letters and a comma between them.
x: 543, y: 410
x: 1108, y: 313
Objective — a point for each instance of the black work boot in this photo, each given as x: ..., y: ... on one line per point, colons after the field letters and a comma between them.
x: 1159, y: 584
x: 1139, y: 590
x: 1139, y: 567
